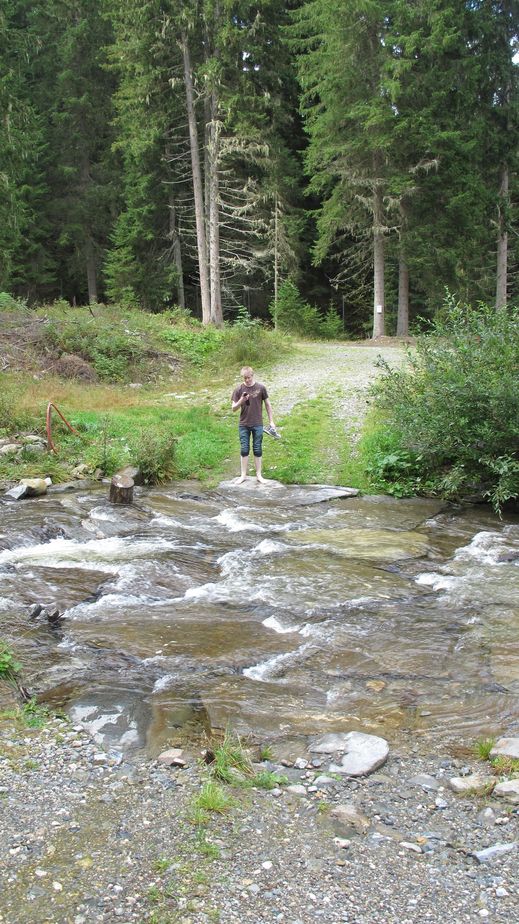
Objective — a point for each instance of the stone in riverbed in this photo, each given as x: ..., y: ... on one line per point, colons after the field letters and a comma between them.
x: 171, y: 758
x: 348, y: 816
x: 362, y: 754
x: 495, y: 852
x: 508, y: 790
x: 476, y: 784
x: 506, y: 747
x: 36, y: 487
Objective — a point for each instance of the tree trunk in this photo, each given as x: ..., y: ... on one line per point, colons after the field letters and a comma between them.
x: 502, y: 240
x: 197, y: 185
x: 177, y: 251
x: 91, y: 271
x: 121, y: 490
x: 276, y: 261
x: 378, y: 263
x: 214, y: 213
x: 402, y: 324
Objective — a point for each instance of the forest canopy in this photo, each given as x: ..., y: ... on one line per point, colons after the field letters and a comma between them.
x: 205, y: 153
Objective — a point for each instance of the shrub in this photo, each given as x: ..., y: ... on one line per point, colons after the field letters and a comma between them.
x: 194, y: 343
x: 292, y: 314
x: 452, y: 415
x: 154, y: 455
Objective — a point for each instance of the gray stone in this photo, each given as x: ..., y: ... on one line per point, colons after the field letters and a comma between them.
x: 325, y: 781
x: 296, y: 790
x: 362, y: 753
x: 18, y: 492
x: 349, y: 816
x: 489, y: 854
x: 169, y: 757
x: 506, y: 747
x: 425, y: 782
x: 36, y: 487
x: 486, y: 818
x: 508, y: 790
x: 477, y: 784
x: 9, y: 449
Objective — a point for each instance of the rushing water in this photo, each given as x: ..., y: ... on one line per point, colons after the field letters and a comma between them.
x: 265, y: 610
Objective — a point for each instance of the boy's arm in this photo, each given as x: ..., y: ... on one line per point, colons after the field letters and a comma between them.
x: 268, y: 408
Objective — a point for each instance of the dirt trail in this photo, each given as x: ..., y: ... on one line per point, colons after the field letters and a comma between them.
x: 342, y: 369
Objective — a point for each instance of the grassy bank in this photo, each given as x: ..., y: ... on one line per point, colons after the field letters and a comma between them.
x: 147, y: 390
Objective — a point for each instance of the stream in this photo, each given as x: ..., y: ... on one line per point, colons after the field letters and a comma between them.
x: 274, y: 610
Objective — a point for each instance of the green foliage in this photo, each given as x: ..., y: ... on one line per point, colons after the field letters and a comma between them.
x: 249, y: 342
x: 109, y: 346
x: 451, y: 417
x: 231, y: 763
x: 212, y: 798
x: 291, y: 313
x: 9, y: 666
x: 34, y: 715
x: 154, y: 452
x: 267, y: 779
x: 194, y: 343
x: 483, y: 747
x: 303, y: 455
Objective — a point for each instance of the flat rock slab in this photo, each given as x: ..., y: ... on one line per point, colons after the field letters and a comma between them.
x: 370, y: 544
x: 290, y: 495
x: 362, y: 754
x: 490, y: 854
x: 476, y: 784
x: 506, y: 747
x: 348, y: 816
x: 508, y: 790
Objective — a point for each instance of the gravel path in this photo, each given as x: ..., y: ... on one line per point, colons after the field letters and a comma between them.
x: 91, y: 837
x: 344, y: 370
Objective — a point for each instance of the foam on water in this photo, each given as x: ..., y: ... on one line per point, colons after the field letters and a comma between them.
x: 231, y: 520
x: 265, y: 670
x: 102, y: 553
x: 274, y: 623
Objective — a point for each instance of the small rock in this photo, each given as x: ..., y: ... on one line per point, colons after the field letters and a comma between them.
x: 167, y: 758
x: 506, y: 747
x: 36, y: 487
x: 486, y: 817
x: 410, y: 846
x: 267, y: 864
x: 476, y: 783
x: 296, y: 790
x: 494, y: 853
x: 508, y: 790
x: 349, y: 816
x: 18, y: 492
x: 429, y: 783
x: 300, y: 764
x: 342, y: 842
x: 501, y: 892
x: 441, y: 804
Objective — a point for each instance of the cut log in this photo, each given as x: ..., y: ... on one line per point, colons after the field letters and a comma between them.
x: 121, y: 490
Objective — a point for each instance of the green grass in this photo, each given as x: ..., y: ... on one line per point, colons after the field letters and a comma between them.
x: 483, y: 747
x: 303, y: 454
x: 231, y: 764
x: 266, y: 779
x: 213, y: 798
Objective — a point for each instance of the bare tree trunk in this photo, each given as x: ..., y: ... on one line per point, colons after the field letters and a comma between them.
x: 402, y: 323
x: 91, y: 271
x: 502, y: 241
x: 276, y: 261
x: 177, y: 251
x: 214, y: 213
x: 197, y: 185
x: 378, y: 263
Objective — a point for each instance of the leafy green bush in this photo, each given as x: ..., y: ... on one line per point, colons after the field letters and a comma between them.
x: 292, y: 314
x: 97, y: 341
x: 452, y: 415
x: 154, y: 454
x: 249, y: 342
x: 194, y: 343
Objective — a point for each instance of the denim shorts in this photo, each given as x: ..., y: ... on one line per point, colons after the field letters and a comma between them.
x: 257, y: 439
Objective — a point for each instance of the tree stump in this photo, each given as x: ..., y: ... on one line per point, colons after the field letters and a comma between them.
x: 121, y: 490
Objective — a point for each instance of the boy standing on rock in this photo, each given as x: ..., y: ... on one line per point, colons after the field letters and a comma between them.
x: 249, y: 398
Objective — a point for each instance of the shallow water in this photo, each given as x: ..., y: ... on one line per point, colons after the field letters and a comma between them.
x: 265, y: 610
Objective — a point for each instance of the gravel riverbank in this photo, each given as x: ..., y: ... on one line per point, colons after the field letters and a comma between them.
x: 90, y: 836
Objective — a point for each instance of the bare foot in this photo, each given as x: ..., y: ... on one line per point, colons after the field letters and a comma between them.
x: 260, y: 479
x: 241, y: 479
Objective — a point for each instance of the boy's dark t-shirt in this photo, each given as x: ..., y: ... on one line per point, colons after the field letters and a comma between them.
x: 251, y: 414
